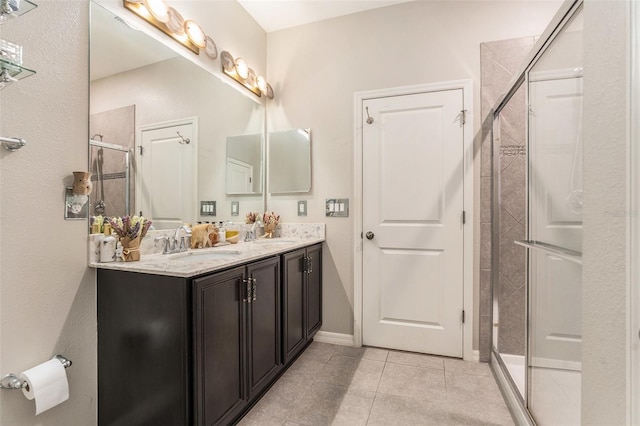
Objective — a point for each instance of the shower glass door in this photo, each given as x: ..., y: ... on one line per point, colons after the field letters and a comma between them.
x: 554, y: 241
x: 509, y: 225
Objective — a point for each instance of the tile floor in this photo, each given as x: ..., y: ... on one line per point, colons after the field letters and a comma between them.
x: 341, y: 385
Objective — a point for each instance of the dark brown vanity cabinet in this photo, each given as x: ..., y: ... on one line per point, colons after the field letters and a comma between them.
x: 302, y: 298
x: 237, y: 338
x: 200, y: 351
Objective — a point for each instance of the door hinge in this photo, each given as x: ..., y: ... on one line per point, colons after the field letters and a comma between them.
x: 464, y: 116
x: 141, y: 150
x: 464, y: 217
x: 463, y: 316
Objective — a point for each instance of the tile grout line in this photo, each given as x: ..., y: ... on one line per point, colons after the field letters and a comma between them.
x: 375, y: 394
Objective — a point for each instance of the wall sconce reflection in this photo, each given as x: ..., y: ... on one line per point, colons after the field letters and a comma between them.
x: 240, y: 72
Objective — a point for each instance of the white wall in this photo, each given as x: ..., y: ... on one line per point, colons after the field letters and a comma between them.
x: 315, y: 70
x: 605, y: 348
x: 47, y: 294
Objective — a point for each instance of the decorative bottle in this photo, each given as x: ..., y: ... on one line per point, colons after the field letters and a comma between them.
x: 107, y: 246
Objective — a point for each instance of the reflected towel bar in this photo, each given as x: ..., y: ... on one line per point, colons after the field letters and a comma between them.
x: 11, y: 381
x: 563, y: 253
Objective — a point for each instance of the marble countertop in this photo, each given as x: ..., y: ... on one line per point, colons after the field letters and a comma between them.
x: 202, y: 261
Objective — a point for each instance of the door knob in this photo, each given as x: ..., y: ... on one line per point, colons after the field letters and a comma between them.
x: 369, y: 235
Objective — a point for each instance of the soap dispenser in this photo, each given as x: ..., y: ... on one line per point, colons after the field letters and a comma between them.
x: 222, y: 235
x: 107, y: 246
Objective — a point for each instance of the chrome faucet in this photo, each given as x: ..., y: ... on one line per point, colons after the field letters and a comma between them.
x: 185, y: 241
x: 251, y: 234
x: 171, y: 245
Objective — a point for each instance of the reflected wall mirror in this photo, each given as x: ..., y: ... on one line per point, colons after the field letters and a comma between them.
x: 147, y: 99
x: 290, y: 161
x: 244, y: 164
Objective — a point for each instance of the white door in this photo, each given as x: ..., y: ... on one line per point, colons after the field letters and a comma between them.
x: 412, y: 211
x: 555, y: 176
x: 239, y: 176
x: 167, y: 184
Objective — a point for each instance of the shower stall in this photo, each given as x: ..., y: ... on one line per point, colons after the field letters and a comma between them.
x: 111, y: 173
x: 112, y: 162
x: 536, y: 269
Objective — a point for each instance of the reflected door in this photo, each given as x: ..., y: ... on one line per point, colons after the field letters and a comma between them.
x: 555, y: 280
x: 413, y: 202
x: 167, y: 174
x: 555, y: 179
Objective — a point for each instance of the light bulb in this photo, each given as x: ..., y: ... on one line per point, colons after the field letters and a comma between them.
x: 241, y: 68
x: 158, y: 9
x: 262, y: 84
x: 195, y: 33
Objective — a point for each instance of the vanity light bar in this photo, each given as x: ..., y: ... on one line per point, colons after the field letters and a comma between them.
x: 191, y: 35
x: 238, y: 70
x: 140, y: 10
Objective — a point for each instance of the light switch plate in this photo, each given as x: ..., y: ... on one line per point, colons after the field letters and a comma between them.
x: 302, y: 208
x: 235, y: 208
x: 207, y: 208
x: 337, y: 207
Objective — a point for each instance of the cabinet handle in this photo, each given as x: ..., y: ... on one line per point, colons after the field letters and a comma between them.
x: 309, y: 265
x: 248, y: 283
x: 254, y: 288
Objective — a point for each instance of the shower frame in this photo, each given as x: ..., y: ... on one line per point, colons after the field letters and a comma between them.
x: 517, y: 403
x: 127, y: 168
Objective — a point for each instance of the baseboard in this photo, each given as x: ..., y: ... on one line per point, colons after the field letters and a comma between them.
x: 334, y: 338
x: 475, y: 355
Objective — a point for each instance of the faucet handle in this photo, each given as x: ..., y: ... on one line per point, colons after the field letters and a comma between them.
x: 167, y: 248
x: 184, y: 245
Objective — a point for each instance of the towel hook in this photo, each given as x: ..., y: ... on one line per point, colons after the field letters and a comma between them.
x: 369, y: 118
x: 183, y: 141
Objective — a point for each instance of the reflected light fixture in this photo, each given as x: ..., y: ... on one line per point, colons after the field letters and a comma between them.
x: 195, y: 33
x: 262, y: 84
x: 239, y: 70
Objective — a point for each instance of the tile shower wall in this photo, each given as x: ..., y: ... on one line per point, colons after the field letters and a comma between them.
x: 117, y: 127
x: 499, y: 61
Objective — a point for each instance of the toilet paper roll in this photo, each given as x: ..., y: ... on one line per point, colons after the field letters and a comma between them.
x: 47, y: 384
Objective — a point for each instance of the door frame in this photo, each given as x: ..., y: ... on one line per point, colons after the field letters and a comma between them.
x: 468, y: 289
x: 193, y: 121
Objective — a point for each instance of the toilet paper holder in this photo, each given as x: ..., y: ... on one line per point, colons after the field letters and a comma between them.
x: 11, y: 381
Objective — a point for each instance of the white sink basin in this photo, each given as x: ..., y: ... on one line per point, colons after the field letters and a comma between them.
x: 196, y: 257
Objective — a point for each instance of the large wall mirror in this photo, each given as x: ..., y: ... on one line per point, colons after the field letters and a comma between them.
x: 290, y: 161
x: 181, y: 124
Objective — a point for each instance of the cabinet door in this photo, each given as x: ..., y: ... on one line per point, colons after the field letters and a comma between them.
x: 144, y: 351
x: 264, y: 342
x: 294, y: 306
x: 220, y: 375
x: 314, y: 290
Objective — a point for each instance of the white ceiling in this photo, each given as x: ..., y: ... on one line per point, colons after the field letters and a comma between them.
x: 274, y: 15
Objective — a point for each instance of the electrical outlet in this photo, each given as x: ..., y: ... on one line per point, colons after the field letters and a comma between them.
x: 302, y: 208
x: 235, y: 208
